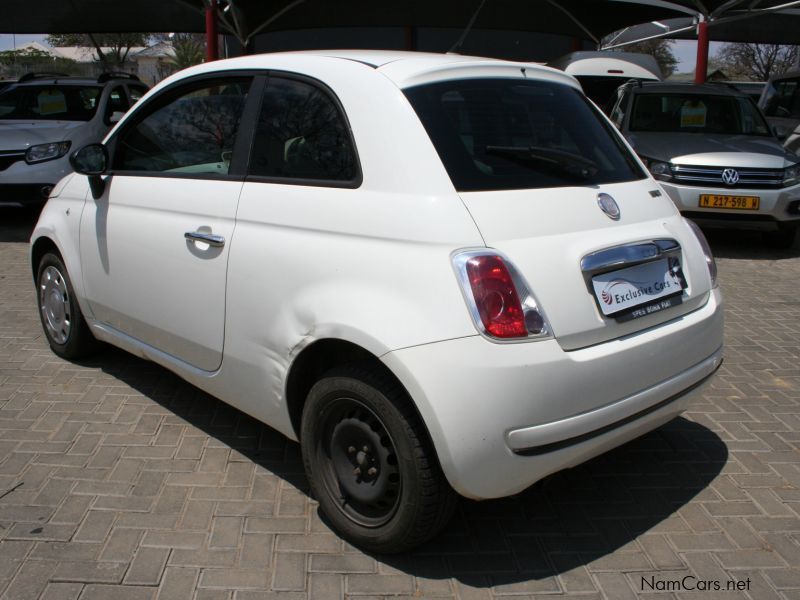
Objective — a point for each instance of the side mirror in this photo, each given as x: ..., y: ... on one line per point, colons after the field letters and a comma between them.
x: 116, y: 116
x: 780, y: 132
x: 91, y: 160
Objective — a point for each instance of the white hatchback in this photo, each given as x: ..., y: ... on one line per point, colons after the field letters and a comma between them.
x: 439, y: 273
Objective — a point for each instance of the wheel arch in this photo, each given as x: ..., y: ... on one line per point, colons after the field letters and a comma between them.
x: 41, y: 246
x: 330, y: 353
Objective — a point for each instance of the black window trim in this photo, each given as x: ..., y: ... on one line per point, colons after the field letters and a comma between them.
x: 144, y: 108
x: 353, y: 183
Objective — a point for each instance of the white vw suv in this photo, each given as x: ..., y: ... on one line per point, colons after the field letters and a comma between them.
x: 439, y: 273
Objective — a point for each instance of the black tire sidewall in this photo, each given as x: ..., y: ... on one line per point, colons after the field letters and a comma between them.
x: 389, y: 536
x: 76, y: 344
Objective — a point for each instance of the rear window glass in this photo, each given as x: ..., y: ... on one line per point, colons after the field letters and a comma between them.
x: 503, y: 134
x: 49, y: 102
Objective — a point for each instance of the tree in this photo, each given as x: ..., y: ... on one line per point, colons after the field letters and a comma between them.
x: 117, y: 45
x: 757, y: 62
x: 189, y: 49
x: 661, y: 50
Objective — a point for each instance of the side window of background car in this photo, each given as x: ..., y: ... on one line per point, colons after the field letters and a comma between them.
x: 301, y: 134
x: 193, y: 132
x: 618, y: 114
x: 786, y: 100
x: 136, y: 92
x: 117, y: 103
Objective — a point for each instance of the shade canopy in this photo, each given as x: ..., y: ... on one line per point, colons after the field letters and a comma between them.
x: 584, y: 19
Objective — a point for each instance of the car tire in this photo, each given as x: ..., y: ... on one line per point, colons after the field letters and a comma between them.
x: 63, y: 323
x: 370, y: 463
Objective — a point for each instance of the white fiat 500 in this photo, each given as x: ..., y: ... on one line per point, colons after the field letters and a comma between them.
x: 439, y: 273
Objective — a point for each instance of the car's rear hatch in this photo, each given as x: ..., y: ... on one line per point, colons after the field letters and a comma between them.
x: 548, y: 234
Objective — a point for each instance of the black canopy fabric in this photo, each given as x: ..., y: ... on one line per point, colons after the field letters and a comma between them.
x: 759, y: 25
x: 585, y: 19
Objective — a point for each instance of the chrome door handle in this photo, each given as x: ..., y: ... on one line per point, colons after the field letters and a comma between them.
x: 216, y: 241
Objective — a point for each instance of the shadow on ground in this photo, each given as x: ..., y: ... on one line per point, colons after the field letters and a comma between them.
x: 732, y: 243
x: 570, y: 519
x: 16, y: 224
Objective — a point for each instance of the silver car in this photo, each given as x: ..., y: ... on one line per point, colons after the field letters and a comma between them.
x: 43, y: 116
x: 714, y: 155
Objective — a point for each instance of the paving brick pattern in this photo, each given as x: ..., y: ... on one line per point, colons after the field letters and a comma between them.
x: 120, y: 481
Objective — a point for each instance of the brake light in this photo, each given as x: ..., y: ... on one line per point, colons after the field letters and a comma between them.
x: 496, y: 297
x: 499, y: 300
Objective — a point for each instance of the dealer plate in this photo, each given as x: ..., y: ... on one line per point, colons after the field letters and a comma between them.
x: 731, y: 202
x: 620, y: 293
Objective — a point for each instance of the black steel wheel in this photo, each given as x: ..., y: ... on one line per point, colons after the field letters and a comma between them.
x: 370, y: 463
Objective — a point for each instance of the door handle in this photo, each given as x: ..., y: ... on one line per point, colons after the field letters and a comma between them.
x: 215, y: 241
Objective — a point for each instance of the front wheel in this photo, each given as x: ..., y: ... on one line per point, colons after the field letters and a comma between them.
x: 62, y: 320
x: 370, y: 464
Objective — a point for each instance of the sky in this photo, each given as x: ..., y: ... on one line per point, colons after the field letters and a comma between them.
x: 684, y: 49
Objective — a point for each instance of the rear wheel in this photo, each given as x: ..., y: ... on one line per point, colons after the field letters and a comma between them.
x: 62, y: 320
x: 370, y: 464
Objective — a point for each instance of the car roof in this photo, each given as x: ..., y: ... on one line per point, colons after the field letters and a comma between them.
x: 74, y: 80
x: 405, y: 68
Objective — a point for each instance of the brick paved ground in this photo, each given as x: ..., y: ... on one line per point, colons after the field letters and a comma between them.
x: 120, y: 481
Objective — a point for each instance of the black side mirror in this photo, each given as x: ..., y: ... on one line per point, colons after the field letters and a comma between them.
x: 91, y: 160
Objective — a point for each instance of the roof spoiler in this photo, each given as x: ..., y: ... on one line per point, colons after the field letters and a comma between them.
x: 109, y: 75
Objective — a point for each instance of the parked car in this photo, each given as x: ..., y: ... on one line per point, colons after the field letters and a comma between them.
x: 439, y: 273
x: 43, y: 116
x: 714, y: 155
x: 754, y: 89
x: 602, y: 72
x: 780, y: 102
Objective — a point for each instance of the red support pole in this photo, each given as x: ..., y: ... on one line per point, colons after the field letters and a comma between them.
x: 701, y: 67
x: 212, y: 47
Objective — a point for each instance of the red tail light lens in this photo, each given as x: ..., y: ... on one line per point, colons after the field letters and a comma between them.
x: 496, y: 297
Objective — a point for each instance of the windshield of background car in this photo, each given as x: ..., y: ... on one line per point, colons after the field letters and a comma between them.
x: 697, y: 113
x: 49, y: 102
x: 503, y: 134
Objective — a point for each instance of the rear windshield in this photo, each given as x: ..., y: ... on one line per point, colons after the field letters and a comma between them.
x: 697, y: 113
x: 49, y: 102
x: 504, y: 134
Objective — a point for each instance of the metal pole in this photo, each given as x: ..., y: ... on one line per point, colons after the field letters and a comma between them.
x: 701, y: 67
x: 212, y: 46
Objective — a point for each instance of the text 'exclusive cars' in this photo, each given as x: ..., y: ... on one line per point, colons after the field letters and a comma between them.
x: 441, y: 274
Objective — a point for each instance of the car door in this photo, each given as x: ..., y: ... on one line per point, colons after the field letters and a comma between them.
x: 154, y: 246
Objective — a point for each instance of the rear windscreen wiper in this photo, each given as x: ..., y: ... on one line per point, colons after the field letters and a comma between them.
x: 559, y: 160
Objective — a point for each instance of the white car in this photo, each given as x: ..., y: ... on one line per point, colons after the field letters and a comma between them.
x: 439, y: 273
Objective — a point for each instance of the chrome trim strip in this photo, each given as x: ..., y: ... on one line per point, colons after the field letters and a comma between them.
x: 628, y: 254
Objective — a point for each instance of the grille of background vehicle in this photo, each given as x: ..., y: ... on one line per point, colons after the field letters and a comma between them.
x: 9, y: 157
x: 712, y: 177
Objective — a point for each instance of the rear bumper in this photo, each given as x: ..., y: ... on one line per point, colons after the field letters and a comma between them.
x: 503, y: 416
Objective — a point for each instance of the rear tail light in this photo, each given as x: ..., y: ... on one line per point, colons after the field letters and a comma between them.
x: 710, y: 262
x: 499, y: 300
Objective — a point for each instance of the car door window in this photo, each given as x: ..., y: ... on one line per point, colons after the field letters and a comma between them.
x: 302, y: 134
x: 193, y: 133
x: 117, y: 103
x: 136, y: 92
x: 785, y: 101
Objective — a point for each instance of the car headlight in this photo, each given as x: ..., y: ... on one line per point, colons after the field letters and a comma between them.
x: 791, y: 175
x: 42, y: 152
x: 658, y: 168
